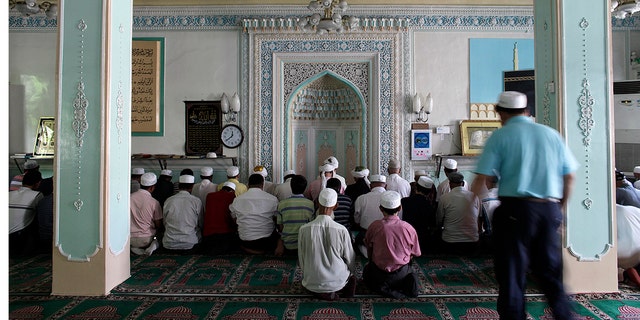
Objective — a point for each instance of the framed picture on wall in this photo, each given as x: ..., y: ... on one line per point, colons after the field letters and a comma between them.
x: 420, y: 144
x: 45, y: 137
x: 475, y: 133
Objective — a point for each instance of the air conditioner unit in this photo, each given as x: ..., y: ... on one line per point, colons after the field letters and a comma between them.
x: 626, y: 108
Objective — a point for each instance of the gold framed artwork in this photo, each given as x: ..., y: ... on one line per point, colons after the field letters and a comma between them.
x: 475, y: 133
x: 45, y: 137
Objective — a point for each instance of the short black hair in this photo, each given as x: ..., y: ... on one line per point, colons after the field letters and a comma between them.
x: 186, y: 171
x: 510, y: 110
x: 185, y: 186
x: 334, y: 184
x: 46, y: 186
x: 31, y: 178
x: 390, y: 211
x: 256, y: 179
x: 298, y: 184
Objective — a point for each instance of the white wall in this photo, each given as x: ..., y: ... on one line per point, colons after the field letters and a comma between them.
x: 198, y: 66
x: 441, y: 66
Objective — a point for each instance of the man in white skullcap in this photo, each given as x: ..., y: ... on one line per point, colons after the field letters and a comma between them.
x: 367, y: 209
x: 205, y: 186
x: 232, y: 176
x: 334, y: 162
x: 136, y: 173
x: 416, y: 176
x: 269, y: 187
x: 29, y: 165
x: 536, y: 171
x: 255, y: 213
x: 220, y: 231
x: 183, y: 216
x: 636, y: 174
x: 283, y: 190
x: 164, y: 186
x: 420, y: 212
x: 328, y: 262
x: 450, y: 166
x: 361, y: 185
x: 146, y: 217
x: 391, y: 244
x: 313, y: 190
x: 395, y: 182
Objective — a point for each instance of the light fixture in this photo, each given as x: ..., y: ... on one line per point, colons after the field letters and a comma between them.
x: 230, y: 107
x: 621, y: 9
x: 330, y: 20
x: 422, y: 106
x: 30, y: 7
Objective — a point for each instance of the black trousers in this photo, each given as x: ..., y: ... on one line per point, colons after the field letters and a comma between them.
x: 398, y: 284
x: 526, y: 235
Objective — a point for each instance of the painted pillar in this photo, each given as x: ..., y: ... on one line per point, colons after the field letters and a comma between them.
x: 573, y: 88
x: 91, y: 224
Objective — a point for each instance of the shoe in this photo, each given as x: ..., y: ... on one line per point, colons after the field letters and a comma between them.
x: 363, y: 250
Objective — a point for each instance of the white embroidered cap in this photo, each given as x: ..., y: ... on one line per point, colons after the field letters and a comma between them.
x: 328, y: 197
x: 206, y: 171
x: 390, y: 200
x: 148, y: 179
x: 187, y: 179
x: 512, y: 100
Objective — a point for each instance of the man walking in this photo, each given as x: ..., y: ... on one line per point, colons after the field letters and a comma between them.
x: 536, y: 171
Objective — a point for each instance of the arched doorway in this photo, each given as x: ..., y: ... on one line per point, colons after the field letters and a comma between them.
x: 325, y: 117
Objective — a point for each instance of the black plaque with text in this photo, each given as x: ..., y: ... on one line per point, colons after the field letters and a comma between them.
x: 203, y: 122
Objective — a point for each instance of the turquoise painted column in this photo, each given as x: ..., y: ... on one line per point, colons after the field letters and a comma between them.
x: 573, y: 88
x: 92, y: 156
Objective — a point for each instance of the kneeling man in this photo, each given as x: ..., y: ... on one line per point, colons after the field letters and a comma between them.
x: 391, y: 243
x: 325, y: 253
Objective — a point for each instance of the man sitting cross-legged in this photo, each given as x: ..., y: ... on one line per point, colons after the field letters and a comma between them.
x: 391, y: 243
x: 255, y: 213
x: 325, y: 254
x: 292, y: 214
x: 146, y: 216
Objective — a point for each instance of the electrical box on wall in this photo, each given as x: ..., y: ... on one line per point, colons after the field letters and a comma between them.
x: 420, y: 144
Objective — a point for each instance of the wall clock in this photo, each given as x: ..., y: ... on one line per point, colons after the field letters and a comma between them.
x: 231, y: 136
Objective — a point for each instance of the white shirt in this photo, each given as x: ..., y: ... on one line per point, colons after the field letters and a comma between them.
x: 628, y: 220
x: 637, y: 184
x: 398, y: 184
x: 325, y: 255
x: 444, y: 188
x: 254, y: 211
x: 182, y: 217
x: 367, y: 207
x: 202, y: 189
x: 22, y: 208
x: 269, y: 187
x: 283, y: 190
x: 490, y: 202
x: 460, y: 224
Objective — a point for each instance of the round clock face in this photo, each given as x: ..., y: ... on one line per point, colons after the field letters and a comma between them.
x: 231, y: 136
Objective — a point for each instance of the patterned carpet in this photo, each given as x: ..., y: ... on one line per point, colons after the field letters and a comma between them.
x: 267, y: 287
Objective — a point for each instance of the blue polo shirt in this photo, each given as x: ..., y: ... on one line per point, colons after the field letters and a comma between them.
x: 530, y: 159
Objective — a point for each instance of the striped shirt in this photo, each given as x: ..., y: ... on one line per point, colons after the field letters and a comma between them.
x: 343, y: 214
x: 292, y: 214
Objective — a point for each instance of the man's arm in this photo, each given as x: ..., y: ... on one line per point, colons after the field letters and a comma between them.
x: 478, y: 186
x: 568, y: 180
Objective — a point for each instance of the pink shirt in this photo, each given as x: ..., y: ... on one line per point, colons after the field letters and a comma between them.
x: 391, y: 242
x: 144, y: 210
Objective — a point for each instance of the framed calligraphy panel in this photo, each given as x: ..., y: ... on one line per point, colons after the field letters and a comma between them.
x: 45, y: 137
x: 147, y: 87
x: 203, y: 123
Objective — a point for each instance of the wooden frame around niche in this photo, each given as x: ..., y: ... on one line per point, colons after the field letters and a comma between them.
x: 474, y: 134
x: 147, y: 87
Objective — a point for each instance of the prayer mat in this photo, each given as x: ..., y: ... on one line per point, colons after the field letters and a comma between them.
x: 585, y: 306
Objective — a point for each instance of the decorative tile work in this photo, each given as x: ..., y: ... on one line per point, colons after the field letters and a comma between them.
x: 483, y: 111
x: 230, y: 17
x: 264, y: 46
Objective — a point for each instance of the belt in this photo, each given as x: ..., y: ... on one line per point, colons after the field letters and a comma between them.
x: 531, y: 199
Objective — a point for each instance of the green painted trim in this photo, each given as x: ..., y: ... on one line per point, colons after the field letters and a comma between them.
x: 161, y: 132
